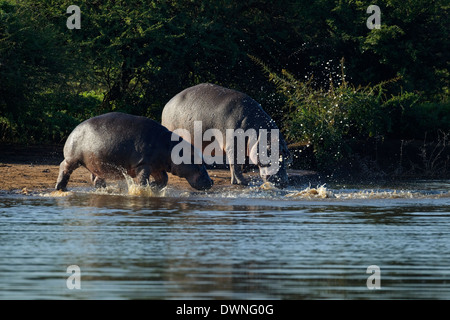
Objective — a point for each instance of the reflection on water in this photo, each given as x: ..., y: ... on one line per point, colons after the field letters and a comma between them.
x: 236, y: 243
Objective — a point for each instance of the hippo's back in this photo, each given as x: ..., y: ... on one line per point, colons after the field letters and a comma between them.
x: 216, y: 106
x: 111, y: 134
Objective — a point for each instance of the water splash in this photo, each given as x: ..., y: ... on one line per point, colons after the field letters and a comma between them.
x: 268, y: 186
x: 129, y: 187
x: 371, y: 194
x: 57, y: 194
x: 122, y: 187
x: 266, y: 190
x: 319, y: 192
x: 148, y: 190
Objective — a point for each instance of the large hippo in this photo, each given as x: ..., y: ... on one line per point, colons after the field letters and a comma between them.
x: 115, y: 143
x: 224, y: 109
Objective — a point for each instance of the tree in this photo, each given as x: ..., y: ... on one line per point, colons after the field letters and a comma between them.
x: 32, y: 64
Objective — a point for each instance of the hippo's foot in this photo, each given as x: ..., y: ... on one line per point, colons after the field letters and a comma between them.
x: 236, y: 175
x: 242, y: 181
x: 61, y: 187
x: 65, y: 170
x: 155, y: 187
x: 160, y: 181
x: 98, y: 182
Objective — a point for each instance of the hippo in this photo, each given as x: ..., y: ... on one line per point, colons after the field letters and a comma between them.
x: 219, y: 108
x: 115, y: 143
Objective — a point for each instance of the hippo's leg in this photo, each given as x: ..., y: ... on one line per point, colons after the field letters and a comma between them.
x: 236, y: 170
x: 98, y: 182
x: 161, y: 179
x: 143, y: 175
x: 236, y: 175
x: 65, y: 170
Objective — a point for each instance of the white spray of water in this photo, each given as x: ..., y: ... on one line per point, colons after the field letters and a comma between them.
x: 266, y: 190
x: 147, y: 190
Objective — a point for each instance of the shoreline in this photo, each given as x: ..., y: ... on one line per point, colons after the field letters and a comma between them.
x: 30, y: 178
x: 33, y: 169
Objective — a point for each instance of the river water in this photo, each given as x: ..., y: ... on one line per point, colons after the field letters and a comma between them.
x: 232, y: 243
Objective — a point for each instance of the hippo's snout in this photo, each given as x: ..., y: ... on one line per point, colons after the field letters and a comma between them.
x: 202, y: 183
x: 279, y: 182
x: 275, y: 174
x: 200, y: 179
x: 280, y: 179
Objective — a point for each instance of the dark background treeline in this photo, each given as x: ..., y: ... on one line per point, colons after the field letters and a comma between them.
x: 333, y: 86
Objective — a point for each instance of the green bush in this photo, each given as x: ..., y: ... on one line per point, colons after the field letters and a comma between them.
x: 341, y: 116
x: 331, y: 118
x: 419, y: 120
x: 52, y: 118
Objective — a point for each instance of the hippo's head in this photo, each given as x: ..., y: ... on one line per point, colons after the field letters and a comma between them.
x: 195, y: 174
x: 272, y: 165
x: 187, y: 162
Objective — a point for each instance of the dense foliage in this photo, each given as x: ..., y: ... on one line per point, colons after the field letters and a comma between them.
x: 133, y: 56
x: 334, y: 119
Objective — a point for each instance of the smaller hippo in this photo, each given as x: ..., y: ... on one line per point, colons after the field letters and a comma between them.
x: 115, y: 143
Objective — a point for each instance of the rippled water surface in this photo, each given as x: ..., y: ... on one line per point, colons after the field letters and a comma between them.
x: 231, y: 243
